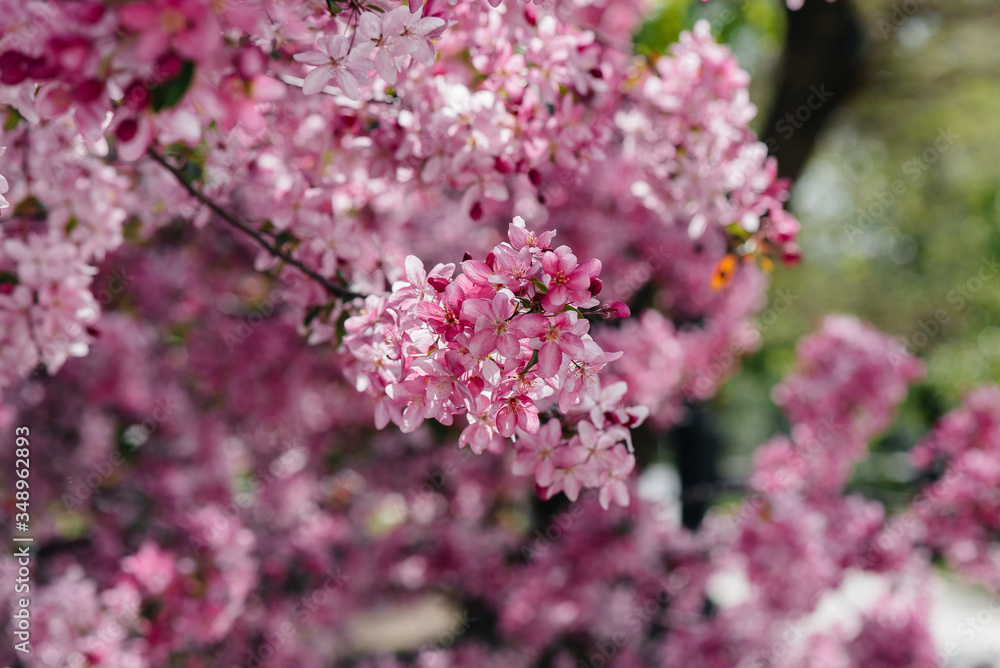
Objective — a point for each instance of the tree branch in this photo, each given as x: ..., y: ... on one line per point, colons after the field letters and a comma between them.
x: 331, y: 287
x: 822, y: 66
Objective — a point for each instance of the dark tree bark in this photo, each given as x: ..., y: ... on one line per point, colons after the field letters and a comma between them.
x: 821, y: 67
x: 696, y: 448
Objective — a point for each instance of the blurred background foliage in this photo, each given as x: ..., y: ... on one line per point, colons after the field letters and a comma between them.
x: 899, y: 204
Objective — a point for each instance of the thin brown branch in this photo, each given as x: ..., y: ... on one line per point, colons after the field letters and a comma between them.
x: 331, y: 287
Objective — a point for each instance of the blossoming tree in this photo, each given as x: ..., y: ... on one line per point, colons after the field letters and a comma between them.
x: 242, y: 237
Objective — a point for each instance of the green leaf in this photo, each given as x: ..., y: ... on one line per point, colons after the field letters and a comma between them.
x: 327, y: 311
x: 131, y: 229
x: 30, y: 208
x: 8, y: 278
x: 192, y: 172
x: 285, y: 237
x: 171, y: 91
x: 541, y: 286
x: 179, y: 333
x: 662, y: 27
x: 532, y: 362
x: 341, y: 327
x: 71, y: 225
x: 13, y: 118
x: 311, y: 313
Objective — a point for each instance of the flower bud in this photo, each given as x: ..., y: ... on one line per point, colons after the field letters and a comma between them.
x: 619, y: 309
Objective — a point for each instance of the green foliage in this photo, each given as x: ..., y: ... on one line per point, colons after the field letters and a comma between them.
x: 756, y: 21
x: 919, y: 265
x: 171, y: 91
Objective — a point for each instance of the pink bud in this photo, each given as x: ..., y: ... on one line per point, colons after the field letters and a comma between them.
x: 167, y: 67
x: 250, y: 62
x: 438, y: 283
x: 127, y: 130
x: 13, y: 67
x: 136, y: 96
x: 71, y: 53
x: 791, y: 254
x: 88, y: 91
x: 619, y: 309
x: 88, y: 12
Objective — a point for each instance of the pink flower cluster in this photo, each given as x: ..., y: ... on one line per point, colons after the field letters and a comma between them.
x: 959, y: 513
x: 261, y: 515
x: 499, y: 343
x: 476, y: 114
x: 849, y: 379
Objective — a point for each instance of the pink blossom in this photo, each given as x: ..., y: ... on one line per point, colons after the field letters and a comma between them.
x: 481, y: 434
x: 534, y: 452
x: 573, y: 471
x: 516, y: 412
x: 445, y: 371
x: 562, y: 335
x: 187, y: 25
x: 412, y: 395
x: 582, y: 374
x: 497, y: 328
x: 521, y: 238
x: 4, y: 187
x: 514, y: 270
x: 331, y: 60
x: 385, y: 34
x: 566, y: 280
x: 443, y: 318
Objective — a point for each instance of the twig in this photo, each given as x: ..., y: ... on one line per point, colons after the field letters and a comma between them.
x: 331, y: 287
